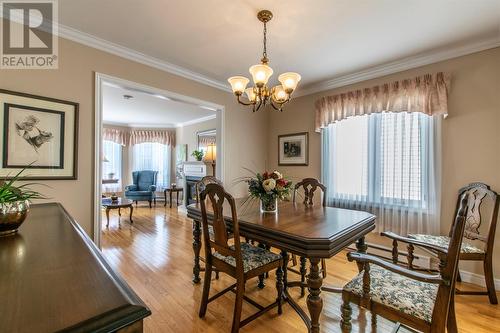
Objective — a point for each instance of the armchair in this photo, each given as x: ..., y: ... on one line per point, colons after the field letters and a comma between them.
x: 143, y: 188
x: 424, y: 302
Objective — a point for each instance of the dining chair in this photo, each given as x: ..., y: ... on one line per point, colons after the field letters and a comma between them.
x: 242, y: 261
x: 200, y: 187
x: 480, y: 227
x: 309, y: 186
x: 419, y: 300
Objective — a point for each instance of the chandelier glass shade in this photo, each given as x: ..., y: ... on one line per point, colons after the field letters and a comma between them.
x: 260, y: 94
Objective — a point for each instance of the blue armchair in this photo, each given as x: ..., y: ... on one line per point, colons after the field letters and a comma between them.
x: 144, y: 186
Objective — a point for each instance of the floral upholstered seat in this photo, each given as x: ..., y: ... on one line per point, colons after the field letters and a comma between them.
x: 444, y: 241
x: 253, y: 257
x: 407, y: 295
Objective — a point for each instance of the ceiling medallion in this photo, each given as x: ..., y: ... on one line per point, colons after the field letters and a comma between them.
x: 260, y: 95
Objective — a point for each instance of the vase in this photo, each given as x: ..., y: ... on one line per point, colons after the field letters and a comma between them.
x: 268, y: 205
x: 12, y: 215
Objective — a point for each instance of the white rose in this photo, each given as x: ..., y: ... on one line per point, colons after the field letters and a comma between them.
x: 269, y: 184
x: 278, y: 174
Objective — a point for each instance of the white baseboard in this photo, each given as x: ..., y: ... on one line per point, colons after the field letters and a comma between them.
x: 477, y: 279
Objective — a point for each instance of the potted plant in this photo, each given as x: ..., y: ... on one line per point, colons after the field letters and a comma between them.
x: 198, y: 154
x: 14, y: 203
x: 269, y: 187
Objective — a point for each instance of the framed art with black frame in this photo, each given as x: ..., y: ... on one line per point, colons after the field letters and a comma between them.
x: 39, y: 134
x: 293, y: 149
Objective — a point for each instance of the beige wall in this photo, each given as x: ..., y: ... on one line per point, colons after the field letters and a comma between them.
x: 74, y: 81
x: 471, y: 133
x: 187, y: 135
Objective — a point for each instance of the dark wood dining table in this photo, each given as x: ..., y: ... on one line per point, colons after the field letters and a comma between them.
x: 314, y: 232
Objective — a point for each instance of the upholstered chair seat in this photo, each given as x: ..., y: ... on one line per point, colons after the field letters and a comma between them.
x: 253, y: 257
x: 412, y: 297
x: 444, y: 242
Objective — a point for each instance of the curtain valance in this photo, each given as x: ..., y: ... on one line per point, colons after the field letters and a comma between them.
x: 115, y: 135
x: 206, y: 140
x: 132, y: 137
x: 426, y: 94
x: 166, y: 137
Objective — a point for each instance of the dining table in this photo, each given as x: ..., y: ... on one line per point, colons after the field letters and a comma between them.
x: 313, y: 232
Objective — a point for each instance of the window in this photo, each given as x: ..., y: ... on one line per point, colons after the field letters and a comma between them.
x: 153, y: 156
x: 112, y: 165
x: 386, y: 163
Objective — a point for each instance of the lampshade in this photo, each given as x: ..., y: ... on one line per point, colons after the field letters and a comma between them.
x: 279, y: 94
x: 289, y: 81
x: 251, y: 94
x: 260, y: 74
x: 238, y: 84
x: 211, y: 154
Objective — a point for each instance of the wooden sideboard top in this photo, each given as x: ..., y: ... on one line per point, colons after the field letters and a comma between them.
x: 53, y: 278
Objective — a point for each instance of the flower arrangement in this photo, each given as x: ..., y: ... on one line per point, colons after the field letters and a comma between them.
x: 269, y: 187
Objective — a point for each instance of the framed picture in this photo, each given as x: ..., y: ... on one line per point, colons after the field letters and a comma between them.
x: 293, y: 149
x: 39, y: 134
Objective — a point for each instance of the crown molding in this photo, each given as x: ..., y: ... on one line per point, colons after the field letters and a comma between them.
x: 400, y: 65
x: 198, y: 120
x: 336, y: 82
x: 124, y: 52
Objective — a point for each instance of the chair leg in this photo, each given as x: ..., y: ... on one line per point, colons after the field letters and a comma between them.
x: 279, y: 287
x: 346, y: 311
x: 154, y: 200
x: 294, y: 260
x: 303, y: 272
x: 240, y: 290
x: 217, y: 274
x: 459, y: 277
x: 323, y: 268
x: 490, y: 282
x: 150, y: 206
x: 206, y: 291
x: 451, y: 323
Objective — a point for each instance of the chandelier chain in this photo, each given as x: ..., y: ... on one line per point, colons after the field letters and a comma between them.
x: 264, y: 54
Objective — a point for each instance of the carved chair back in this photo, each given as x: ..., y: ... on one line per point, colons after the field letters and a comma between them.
x: 214, y: 197
x: 200, y: 185
x: 449, y: 267
x: 482, y: 207
x: 310, y: 185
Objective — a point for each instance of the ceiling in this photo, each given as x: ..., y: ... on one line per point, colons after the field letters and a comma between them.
x: 320, y: 39
x: 146, y: 109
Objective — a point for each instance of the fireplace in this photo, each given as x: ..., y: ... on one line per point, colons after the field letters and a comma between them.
x: 193, y: 173
x: 191, y: 189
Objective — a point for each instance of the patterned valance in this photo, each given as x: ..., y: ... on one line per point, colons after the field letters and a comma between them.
x: 115, y: 135
x: 427, y: 94
x: 126, y: 137
x: 206, y: 140
x: 166, y: 137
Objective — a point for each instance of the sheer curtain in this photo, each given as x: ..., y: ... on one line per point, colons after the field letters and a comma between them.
x: 113, y: 153
x: 153, y: 156
x: 388, y: 164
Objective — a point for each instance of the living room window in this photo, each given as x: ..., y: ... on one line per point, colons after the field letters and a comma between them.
x: 112, y: 165
x: 153, y: 156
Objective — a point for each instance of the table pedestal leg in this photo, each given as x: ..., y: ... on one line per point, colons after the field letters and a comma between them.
x: 314, y: 301
x: 361, y: 247
x: 107, y: 217
x: 196, y: 250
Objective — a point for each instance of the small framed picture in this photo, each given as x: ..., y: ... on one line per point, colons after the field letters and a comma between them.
x: 293, y: 149
x: 39, y: 134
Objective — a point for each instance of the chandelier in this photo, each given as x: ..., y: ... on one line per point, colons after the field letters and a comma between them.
x: 260, y: 95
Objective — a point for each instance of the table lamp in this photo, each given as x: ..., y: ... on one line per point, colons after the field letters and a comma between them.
x: 211, y: 155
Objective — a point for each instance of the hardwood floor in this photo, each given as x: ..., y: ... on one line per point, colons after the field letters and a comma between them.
x: 155, y: 257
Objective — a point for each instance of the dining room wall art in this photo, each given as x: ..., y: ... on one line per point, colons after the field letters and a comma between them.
x: 293, y: 149
x: 39, y: 134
